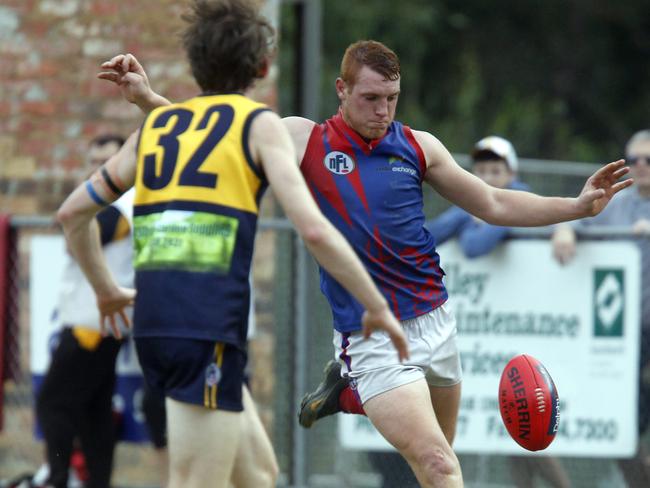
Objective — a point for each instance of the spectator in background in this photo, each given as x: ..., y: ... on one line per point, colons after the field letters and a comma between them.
x: 75, y: 399
x: 631, y: 208
x: 494, y: 160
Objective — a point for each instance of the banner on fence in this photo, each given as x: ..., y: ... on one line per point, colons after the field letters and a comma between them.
x: 581, y: 321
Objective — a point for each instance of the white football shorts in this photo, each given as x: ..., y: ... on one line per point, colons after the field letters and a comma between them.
x: 373, y: 367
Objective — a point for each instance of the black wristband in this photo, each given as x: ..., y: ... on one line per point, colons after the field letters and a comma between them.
x: 111, y: 184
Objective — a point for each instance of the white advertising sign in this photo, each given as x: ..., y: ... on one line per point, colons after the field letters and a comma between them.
x: 581, y: 321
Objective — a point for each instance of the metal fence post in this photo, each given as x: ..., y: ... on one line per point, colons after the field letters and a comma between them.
x: 300, y: 360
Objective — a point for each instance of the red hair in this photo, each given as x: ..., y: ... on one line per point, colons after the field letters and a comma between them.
x: 373, y: 54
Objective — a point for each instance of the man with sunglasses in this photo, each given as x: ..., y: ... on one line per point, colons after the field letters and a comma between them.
x: 630, y: 208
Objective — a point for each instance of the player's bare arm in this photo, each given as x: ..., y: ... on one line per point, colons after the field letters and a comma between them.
x: 77, y: 218
x: 128, y: 74
x: 271, y: 146
x: 299, y: 129
x: 515, y: 208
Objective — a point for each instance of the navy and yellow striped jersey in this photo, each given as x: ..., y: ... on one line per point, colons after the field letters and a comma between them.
x: 195, y: 216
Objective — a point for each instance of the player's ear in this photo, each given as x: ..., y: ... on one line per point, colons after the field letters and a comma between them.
x: 263, y: 70
x: 340, y: 88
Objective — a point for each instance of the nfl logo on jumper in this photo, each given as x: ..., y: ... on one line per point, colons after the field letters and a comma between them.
x: 339, y: 163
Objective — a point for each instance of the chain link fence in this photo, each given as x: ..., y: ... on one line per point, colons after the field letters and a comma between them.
x: 291, y: 345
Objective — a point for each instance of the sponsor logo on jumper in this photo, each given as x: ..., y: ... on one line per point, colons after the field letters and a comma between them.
x: 339, y: 163
x: 404, y: 169
x: 393, y: 162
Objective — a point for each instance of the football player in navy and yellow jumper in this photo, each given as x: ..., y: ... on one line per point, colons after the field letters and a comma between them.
x: 199, y: 169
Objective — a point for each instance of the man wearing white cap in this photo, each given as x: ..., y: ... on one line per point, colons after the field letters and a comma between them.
x: 494, y: 160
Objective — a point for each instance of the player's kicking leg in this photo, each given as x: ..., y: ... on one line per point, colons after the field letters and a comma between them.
x: 399, y: 398
x: 405, y: 417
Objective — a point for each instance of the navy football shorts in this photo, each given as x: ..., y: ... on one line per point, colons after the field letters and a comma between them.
x: 194, y: 371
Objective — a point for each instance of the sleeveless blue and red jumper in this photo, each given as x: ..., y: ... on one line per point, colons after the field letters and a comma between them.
x: 371, y: 191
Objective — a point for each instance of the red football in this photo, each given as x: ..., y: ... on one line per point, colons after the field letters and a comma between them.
x: 529, y: 404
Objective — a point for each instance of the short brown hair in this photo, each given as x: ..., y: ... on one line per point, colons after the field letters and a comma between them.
x: 640, y: 136
x: 103, y: 139
x: 228, y: 44
x: 373, y: 54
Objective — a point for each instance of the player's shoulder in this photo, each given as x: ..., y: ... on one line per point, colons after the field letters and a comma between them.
x: 297, y: 124
x: 266, y: 124
x: 425, y: 138
x: 431, y: 146
x: 300, y: 130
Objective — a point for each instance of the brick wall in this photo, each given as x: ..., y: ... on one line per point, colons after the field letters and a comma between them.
x: 51, y: 104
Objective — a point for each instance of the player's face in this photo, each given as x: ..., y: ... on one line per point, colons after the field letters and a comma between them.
x: 638, y: 157
x: 369, y: 105
x: 98, y: 155
x: 494, y: 172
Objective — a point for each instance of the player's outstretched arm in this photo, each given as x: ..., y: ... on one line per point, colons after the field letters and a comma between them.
x: 271, y: 146
x: 128, y: 74
x: 76, y: 215
x: 516, y: 208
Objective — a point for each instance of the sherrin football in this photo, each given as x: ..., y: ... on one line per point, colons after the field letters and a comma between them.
x: 529, y: 404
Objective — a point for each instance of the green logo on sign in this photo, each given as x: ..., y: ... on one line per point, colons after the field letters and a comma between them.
x: 609, y: 302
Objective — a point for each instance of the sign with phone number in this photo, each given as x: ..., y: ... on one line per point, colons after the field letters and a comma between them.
x: 580, y: 320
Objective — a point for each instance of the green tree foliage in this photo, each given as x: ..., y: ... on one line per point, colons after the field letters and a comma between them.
x: 564, y: 79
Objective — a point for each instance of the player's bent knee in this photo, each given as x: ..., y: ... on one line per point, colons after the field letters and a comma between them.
x: 269, y: 479
x: 267, y: 476
x: 274, y: 473
x: 438, y: 463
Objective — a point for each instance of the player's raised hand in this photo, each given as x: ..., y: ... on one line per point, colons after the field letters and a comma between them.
x: 112, y: 304
x: 385, y: 320
x: 126, y: 72
x: 602, y: 186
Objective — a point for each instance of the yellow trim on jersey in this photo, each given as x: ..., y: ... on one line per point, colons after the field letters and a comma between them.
x: 195, y: 126
x: 210, y: 392
x: 122, y: 229
x: 88, y: 339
